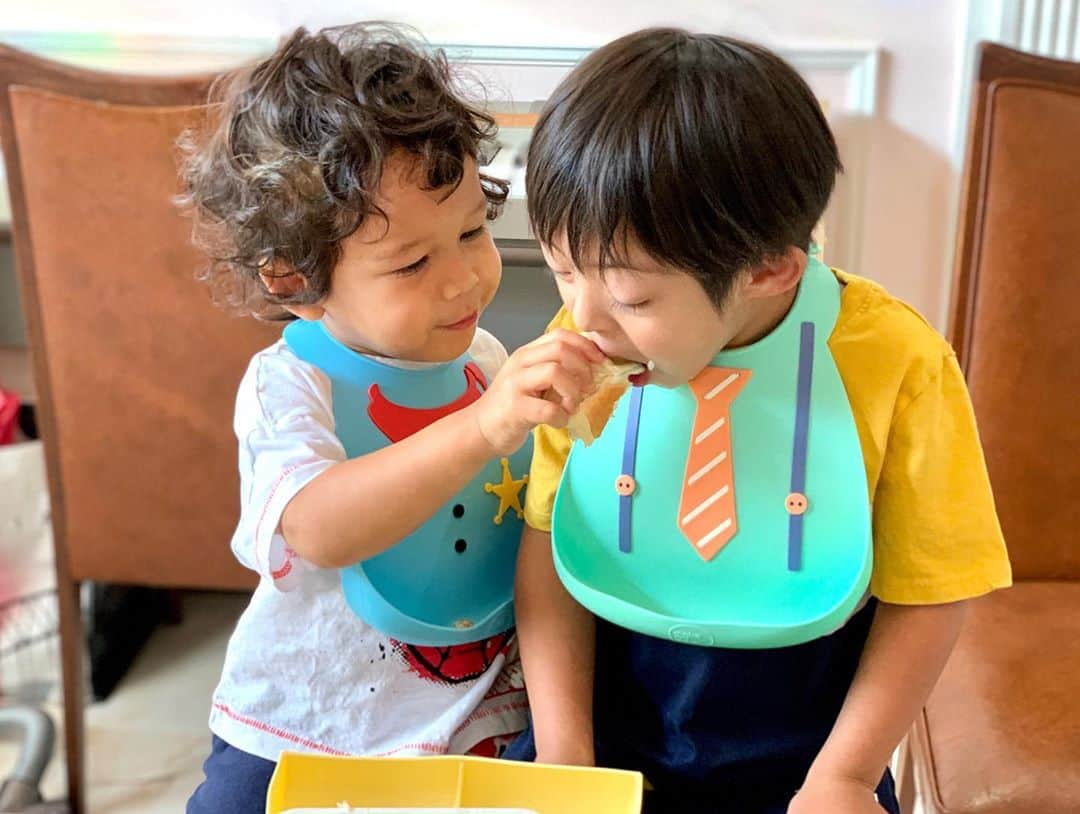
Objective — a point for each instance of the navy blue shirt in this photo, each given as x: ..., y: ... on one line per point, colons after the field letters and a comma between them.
x: 720, y: 730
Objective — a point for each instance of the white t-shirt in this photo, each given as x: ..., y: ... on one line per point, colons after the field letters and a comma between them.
x: 302, y: 671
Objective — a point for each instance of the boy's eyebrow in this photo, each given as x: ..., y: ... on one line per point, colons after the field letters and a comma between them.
x: 400, y: 249
x: 408, y: 245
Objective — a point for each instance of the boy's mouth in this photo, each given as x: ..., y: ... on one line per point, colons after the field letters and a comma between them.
x: 637, y: 379
x: 462, y: 324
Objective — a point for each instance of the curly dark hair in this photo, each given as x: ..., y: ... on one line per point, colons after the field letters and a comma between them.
x: 295, y: 146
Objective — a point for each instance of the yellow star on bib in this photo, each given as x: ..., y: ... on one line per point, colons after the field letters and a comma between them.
x: 508, y: 492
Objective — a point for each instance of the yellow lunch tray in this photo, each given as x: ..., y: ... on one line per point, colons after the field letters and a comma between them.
x: 449, y: 782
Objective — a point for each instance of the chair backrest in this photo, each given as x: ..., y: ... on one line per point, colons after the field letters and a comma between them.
x: 136, y: 369
x: 1016, y: 309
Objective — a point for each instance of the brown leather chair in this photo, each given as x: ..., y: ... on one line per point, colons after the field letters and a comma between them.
x: 136, y: 370
x: 1001, y: 732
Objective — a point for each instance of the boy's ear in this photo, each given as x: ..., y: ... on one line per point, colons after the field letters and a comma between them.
x: 778, y: 274
x: 280, y: 279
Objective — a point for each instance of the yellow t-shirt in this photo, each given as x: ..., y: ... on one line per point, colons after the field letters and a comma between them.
x: 936, y: 533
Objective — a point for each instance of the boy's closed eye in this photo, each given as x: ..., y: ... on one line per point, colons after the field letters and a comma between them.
x: 625, y: 300
x: 629, y: 306
x: 412, y: 268
x: 419, y: 265
x: 629, y: 294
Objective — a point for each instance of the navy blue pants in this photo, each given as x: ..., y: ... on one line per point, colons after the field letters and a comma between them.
x: 718, y: 730
x: 235, y: 783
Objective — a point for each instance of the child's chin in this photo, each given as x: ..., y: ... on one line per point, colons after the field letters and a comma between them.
x: 661, y: 378
x: 451, y: 347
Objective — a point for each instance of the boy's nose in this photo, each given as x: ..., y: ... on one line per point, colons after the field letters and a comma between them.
x: 588, y: 310
x: 461, y: 280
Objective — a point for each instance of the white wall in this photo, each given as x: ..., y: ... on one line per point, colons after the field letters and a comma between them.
x: 910, y: 173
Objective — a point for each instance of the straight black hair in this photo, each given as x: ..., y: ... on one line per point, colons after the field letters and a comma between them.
x: 709, y: 153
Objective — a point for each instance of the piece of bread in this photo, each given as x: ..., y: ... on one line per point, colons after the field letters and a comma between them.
x: 611, y: 379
